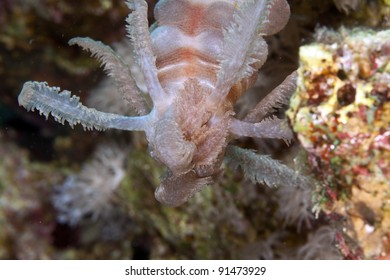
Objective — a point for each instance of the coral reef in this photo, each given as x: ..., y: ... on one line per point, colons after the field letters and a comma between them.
x: 341, y: 114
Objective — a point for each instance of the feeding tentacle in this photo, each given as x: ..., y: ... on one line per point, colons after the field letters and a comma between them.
x: 275, y: 99
x: 263, y: 169
x: 64, y: 107
x: 268, y: 128
x: 243, y: 49
x: 137, y: 28
x: 118, y: 70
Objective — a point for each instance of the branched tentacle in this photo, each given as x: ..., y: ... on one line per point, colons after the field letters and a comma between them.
x: 277, y: 98
x: 118, y: 70
x: 263, y: 169
x: 243, y: 48
x: 268, y: 128
x: 137, y: 28
x: 65, y: 107
x: 235, y: 59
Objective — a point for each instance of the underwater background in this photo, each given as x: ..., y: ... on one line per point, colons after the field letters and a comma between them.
x: 70, y: 194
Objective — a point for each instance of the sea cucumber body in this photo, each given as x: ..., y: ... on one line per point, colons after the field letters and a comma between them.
x: 196, y: 61
x: 187, y: 41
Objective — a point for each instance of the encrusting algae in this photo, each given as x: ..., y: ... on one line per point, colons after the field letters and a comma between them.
x: 341, y: 115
